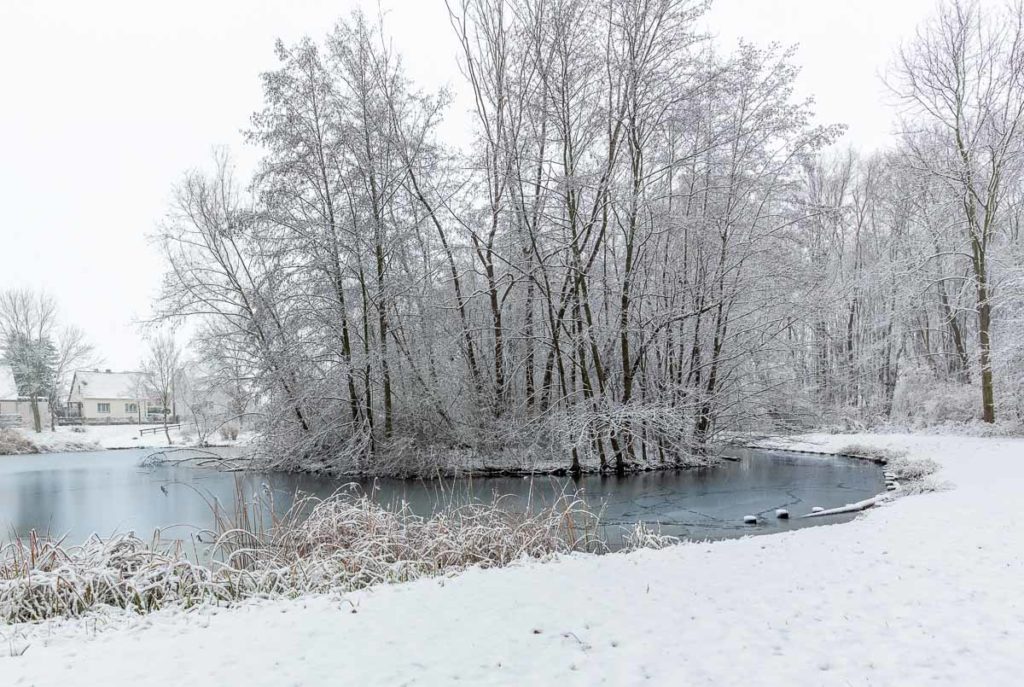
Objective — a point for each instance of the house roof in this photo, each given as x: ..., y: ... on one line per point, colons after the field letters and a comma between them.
x: 8, y: 388
x: 114, y: 385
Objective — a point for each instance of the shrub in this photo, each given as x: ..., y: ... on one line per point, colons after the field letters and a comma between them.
x: 341, y: 543
x: 902, y: 468
x: 13, y: 443
x: 229, y: 432
x: 641, y: 536
x: 923, y: 401
x: 925, y: 486
x: 905, y: 469
x: 885, y: 455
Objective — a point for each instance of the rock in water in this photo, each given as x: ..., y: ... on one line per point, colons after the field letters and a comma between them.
x: 749, y: 519
x: 892, y: 486
x: 782, y: 514
x: 817, y: 509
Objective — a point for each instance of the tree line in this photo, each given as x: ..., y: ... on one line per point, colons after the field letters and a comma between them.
x: 646, y: 244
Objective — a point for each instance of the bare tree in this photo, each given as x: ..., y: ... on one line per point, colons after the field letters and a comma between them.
x: 162, y: 368
x: 641, y: 248
x: 73, y: 351
x: 963, y: 76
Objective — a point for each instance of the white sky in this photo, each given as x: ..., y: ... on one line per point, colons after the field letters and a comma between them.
x: 105, y: 103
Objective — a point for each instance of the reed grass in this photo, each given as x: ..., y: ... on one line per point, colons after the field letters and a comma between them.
x: 345, y: 542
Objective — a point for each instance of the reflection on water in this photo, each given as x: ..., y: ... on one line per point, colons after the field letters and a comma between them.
x: 77, y: 494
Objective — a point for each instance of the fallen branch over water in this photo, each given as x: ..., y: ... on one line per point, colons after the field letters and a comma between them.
x: 196, y: 457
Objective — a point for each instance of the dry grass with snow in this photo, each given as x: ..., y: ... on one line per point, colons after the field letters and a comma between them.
x: 341, y: 543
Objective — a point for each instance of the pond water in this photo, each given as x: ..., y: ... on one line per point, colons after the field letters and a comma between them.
x: 77, y: 494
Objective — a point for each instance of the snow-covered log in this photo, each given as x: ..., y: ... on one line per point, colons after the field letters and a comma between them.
x: 848, y: 508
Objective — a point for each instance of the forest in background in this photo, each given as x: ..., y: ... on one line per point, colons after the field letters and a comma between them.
x: 648, y: 245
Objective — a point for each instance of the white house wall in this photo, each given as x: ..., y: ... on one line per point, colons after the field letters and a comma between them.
x: 23, y: 409
x: 117, y: 414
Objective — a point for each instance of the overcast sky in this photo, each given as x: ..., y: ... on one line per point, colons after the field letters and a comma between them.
x: 105, y: 103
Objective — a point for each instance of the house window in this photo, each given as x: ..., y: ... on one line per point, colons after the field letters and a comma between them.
x: 130, y: 408
x: 102, y: 407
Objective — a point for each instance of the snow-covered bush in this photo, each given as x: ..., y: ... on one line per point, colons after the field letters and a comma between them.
x: 906, y: 469
x: 13, y: 443
x: 353, y: 540
x: 540, y: 445
x: 884, y: 455
x: 341, y: 543
x: 1008, y: 427
x: 922, y: 401
x: 910, y: 473
x: 924, y: 486
x: 641, y: 536
x: 41, y: 579
x: 901, y: 467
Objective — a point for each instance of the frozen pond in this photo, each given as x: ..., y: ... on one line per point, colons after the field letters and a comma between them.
x: 77, y: 494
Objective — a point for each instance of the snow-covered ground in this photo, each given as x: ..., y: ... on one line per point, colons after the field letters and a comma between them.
x: 98, y: 437
x: 928, y: 589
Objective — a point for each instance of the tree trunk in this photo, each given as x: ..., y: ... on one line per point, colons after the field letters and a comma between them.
x: 988, y: 405
x: 167, y: 431
x: 36, y: 420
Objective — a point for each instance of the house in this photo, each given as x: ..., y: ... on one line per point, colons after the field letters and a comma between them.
x: 106, y: 397
x: 15, y: 409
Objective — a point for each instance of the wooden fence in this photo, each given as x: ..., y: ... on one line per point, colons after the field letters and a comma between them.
x: 157, y: 428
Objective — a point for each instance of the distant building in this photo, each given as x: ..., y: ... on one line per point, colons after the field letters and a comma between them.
x: 15, y: 409
x: 105, y: 397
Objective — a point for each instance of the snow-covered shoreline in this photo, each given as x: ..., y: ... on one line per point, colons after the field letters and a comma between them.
x: 922, y: 589
x: 87, y: 438
x: 429, y: 464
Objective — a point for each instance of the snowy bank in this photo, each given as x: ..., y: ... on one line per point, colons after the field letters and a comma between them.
x: 77, y: 438
x: 924, y: 589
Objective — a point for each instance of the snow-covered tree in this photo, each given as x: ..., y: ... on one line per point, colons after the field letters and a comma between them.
x: 161, y: 370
